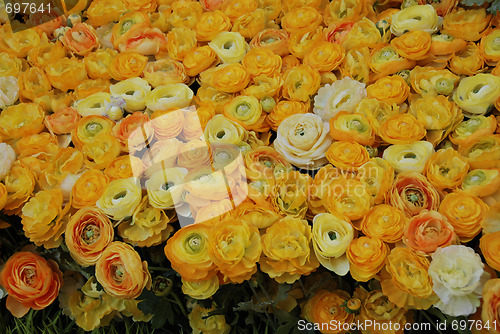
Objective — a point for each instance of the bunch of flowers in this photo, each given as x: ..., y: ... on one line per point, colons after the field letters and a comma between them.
x: 158, y: 151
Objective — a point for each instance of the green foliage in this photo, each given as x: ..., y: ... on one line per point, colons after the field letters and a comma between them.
x: 493, y: 5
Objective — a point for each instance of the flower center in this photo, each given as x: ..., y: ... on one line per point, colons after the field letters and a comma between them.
x: 415, y: 197
x: 118, y: 272
x: 28, y: 275
x: 90, y: 234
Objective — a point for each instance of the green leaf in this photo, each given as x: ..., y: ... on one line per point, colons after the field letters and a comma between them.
x: 286, y: 328
x: 495, y: 7
x: 474, y: 2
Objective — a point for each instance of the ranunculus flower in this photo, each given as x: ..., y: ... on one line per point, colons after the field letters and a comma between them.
x: 300, y: 83
x: 347, y: 155
x: 120, y: 198
x: 264, y: 162
x: 366, y: 257
x: 402, y: 129
x: 467, y: 24
x: 356, y: 65
x: 283, y: 109
x: 124, y: 167
x: 409, y: 157
x: 446, y: 169
x: 180, y: 42
x: 210, y: 24
x: 428, y: 81
x: 81, y: 39
x: 458, y: 277
x: 345, y: 126
x: 220, y: 129
x: 384, y: 222
x: 147, y: 41
x: 170, y: 96
x: 246, y: 111
x: 303, y: 140
x: 348, y: 196
x: 202, y: 323
x: 392, y: 89
x: 102, y: 12
x: 473, y: 128
x: 9, y: 91
x: 20, y: 183
x: 97, y: 63
x: 133, y: 91
x: 88, y: 233
x: 428, y: 231
x: 95, y: 104
x: 490, y: 246
x: 477, y: 94
x: 121, y: 272
x: 272, y: 39
x: 415, y: 18
x: 101, y: 152
x: 128, y: 64
x: 489, y: 46
x: 325, y: 56
x: 7, y: 156
x: 385, y: 60
x: 347, y: 10
x: 31, y: 281
x: 289, y: 194
x: 481, y: 182
x: 482, y: 152
x: 66, y: 73
x: 331, y: 236
x: 62, y: 121
x: 89, y: 128
x: 201, y: 289
x: 287, y: 251
x: 198, y: 60
x: 231, y: 47
x: 342, y: 95
x: 490, y: 311
x: 165, y: 187
x: 467, y: 61
x: 165, y: 71
x: 88, y: 188
x: 376, y: 175
x: 363, y: 33
x: 21, y: 120
x: 194, y: 153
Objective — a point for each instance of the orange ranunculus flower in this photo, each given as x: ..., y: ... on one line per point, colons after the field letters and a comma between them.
x: 299, y: 43
x: 289, y: 62
x: 287, y: 250
x: 366, y: 257
x: 325, y: 56
x: 483, y: 152
x: 300, y: 83
x: 356, y: 65
x: 345, y: 126
x: 20, y: 43
x: 465, y: 213
x: 286, y: 108
x: 142, y: 39
x: 180, y: 41
x: 44, y: 54
x: 402, y: 129
x: 89, y: 128
x: 187, y: 251
x: 168, y: 124
x: 490, y: 246
x: 88, y: 233
x: 31, y: 281
x: 301, y: 19
x: 481, y: 182
x: 124, y: 167
x: 446, y: 169
x: 43, y: 218
x: 490, y: 311
x: 67, y: 161
x: 261, y: 61
x: 63, y: 121
x: 20, y: 183
x: 412, y: 193
x: 405, y: 280
x: 265, y: 162
x: 199, y: 59
x: 348, y: 10
x: 363, y: 33
x: 393, y: 89
x: 97, y: 63
x: 384, y: 222
x: 127, y: 65
x: 66, y: 73
x: 427, y: 231
x: 126, y: 22
x: 141, y: 5
x: 473, y: 129
x: 235, y: 248
x: 275, y: 40
x: 228, y: 78
x: 251, y: 23
x: 210, y: 24
x: 413, y: 45
x: 468, y: 61
x: 429, y: 81
x: 260, y: 216
x: 33, y: 83
x: 194, y: 153
x: 127, y: 134
x: 165, y: 71
x: 102, y: 12
x: 90, y: 87
x: 121, y: 272
x: 349, y: 197
x: 185, y: 14
x: 467, y: 24
x: 81, y: 39
x: 327, y: 308
x: 444, y: 46
x: 348, y: 155
x: 88, y: 188
x: 234, y: 8
x: 21, y: 120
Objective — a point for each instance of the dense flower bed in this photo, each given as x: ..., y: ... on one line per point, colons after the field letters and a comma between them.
x: 245, y: 165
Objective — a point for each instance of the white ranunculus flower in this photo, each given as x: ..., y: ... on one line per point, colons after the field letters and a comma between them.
x: 9, y: 91
x: 7, y: 157
x: 303, y: 140
x: 342, y: 95
x: 458, y: 278
x: 408, y: 157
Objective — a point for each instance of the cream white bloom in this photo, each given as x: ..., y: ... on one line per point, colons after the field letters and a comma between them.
x: 169, y: 96
x: 458, y: 278
x: 7, y: 157
x: 133, y: 91
x: 231, y: 47
x: 408, y: 157
x: 9, y: 91
x: 342, y: 95
x: 477, y: 94
x: 120, y: 198
x: 166, y: 187
x: 95, y: 104
x: 303, y: 140
x: 419, y: 17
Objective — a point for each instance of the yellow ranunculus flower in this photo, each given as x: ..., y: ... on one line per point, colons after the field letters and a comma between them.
x: 402, y: 129
x: 127, y: 64
x: 467, y: 24
x: 102, y: 12
x: 264, y: 88
x: 477, y: 94
x: 42, y: 218
x: 347, y: 10
x: 349, y: 197
x: 325, y: 56
x: 490, y: 246
x: 376, y: 175
x: 483, y: 152
x: 467, y: 61
x: 376, y: 111
x: 222, y: 130
x: 246, y: 111
x: 490, y: 47
x: 481, y: 182
x: 165, y: 187
x: 210, y: 24
x: 198, y: 60
x: 185, y: 13
x: 212, y: 98
x: 413, y: 45
x: 97, y: 63
x: 385, y: 222
x: 9, y: 65
x: 124, y: 167
x: 202, y: 323
x: 363, y: 33
x: 331, y: 236
x: 133, y: 91
x: 301, y: 19
x: 446, y: 169
x: 89, y: 128
x: 366, y: 257
x: 180, y: 41
x: 300, y: 83
x: 231, y: 47
x: 88, y: 189
x: 21, y: 120
x: 386, y: 61
x: 20, y: 43
x: 170, y: 96
x: 93, y: 105
x: 165, y: 71
x: 251, y: 23
x: 65, y: 73
x: 473, y: 128
x: 299, y: 43
x: 465, y: 212
x: 287, y: 252
x: 20, y: 183
x: 303, y: 140
x: 391, y: 89
x: 347, y: 155
x: 46, y: 53
x: 261, y: 61
x: 120, y: 198
x: 428, y: 81
x: 257, y: 215
x: 272, y: 39
x: 289, y: 194
x: 352, y: 127
x: 415, y: 18
x: 235, y: 248
x: 33, y: 83
x: 200, y: 290
x: 406, y: 281
x: 229, y: 78
x: 356, y: 65
x: 283, y: 110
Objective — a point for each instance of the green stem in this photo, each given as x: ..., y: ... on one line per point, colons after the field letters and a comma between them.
x: 260, y: 301
x: 178, y: 302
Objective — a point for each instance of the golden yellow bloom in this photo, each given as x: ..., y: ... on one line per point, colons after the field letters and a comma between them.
x: 102, y: 12
x: 289, y: 194
x: 97, y: 63
x: 3, y: 196
x: 231, y: 47
x: 300, y: 83
x: 385, y: 60
x: 272, y: 39
x: 121, y: 272
x: 299, y: 43
x: 261, y: 61
x: 490, y: 246
x: 229, y: 78
x: 406, y: 282
x: 43, y: 54
x: 376, y: 176
x: 95, y: 104
x: 409, y: 157
x: 101, y: 152
x: 376, y: 111
x: 490, y: 46
x: 287, y: 250
x: 21, y: 120
x: 33, y: 83
x: 446, y: 169
x: 301, y: 19
x: 194, y: 153
x: 391, y: 89
x: 251, y: 23
x: 140, y: 5
x: 202, y: 323
x: 20, y: 43
x: 66, y: 73
x: 187, y: 251
x: 201, y: 289
x: 347, y: 155
x: 88, y: 188
x: 126, y: 65
x: 347, y: 10
x: 466, y: 24
x: 120, y: 198
x: 89, y: 87
x: 428, y: 81
x: 349, y: 197
x: 257, y: 215
x: 198, y: 60
x: 477, y: 94
x: 20, y: 183
x: 283, y: 109
x: 220, y: 129
x: 415, y: 18
x: 43, y: 218
x: 366, y: 257
x: 210, y: 24
x: 473, y: 128
x: 384, y: 222
x: 165, y: 71
x: 87, y: 234
x: 490, y: 304
x: 402, y: 129
x: 481, y: 182
x: 185, y: 13
x: 467, y: 61
x: 9, y: 65
x: 89, y: 128
x: 482, y: 152
x: 325, y: 56
x: 266, y: 89
x: 246, y: 111
x: 345, y: 126
x: 413, y: 45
